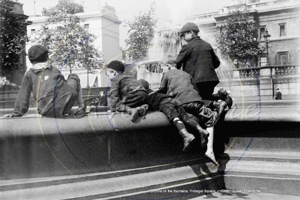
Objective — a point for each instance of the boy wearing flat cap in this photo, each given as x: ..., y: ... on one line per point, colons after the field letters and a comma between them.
x: 126, y: 94
x: 198, y: 58
x: 55, y: 96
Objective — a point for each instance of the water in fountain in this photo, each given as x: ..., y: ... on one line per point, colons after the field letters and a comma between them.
x: 164, y: 44
x: 167, y: 44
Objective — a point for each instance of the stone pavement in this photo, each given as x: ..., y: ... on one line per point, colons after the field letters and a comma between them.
x: 246, y: 195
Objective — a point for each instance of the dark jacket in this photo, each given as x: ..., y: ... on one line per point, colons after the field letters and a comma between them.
x: 121, y: 86
x: 180, y: 85
x: 51, y: 82
x: 199, y: 60
x: 155, y: 99
x: 278, y: 95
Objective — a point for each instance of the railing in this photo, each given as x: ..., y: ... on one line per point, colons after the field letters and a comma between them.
x: 245, y: 73
x: 251, y: 72
x: 278, y: 70
x: 286, y: 70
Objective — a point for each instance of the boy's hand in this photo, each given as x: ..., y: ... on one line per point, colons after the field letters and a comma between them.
x: 80, y: 111
x: 153, y: 92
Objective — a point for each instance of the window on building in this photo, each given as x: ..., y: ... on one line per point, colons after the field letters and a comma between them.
x: 32, y: 30
x: 262, y: 31
x: 86, y: 26
x: 263, y: 60
x: 282, y: 30
x: 283, y: 57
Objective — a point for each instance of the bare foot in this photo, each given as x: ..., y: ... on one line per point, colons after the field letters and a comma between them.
x: 211, y: 156
x: 187, y: 142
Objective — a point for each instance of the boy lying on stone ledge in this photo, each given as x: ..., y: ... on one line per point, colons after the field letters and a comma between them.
x: 135, y: 97
x: 131, y: 96
x: 176, y: 114
x: 180, y: 86
x: 126, y: 93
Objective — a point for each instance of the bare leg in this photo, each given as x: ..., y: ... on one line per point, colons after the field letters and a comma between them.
x: 202, y: 132
x: 187, y: 137
x: 210, y: 152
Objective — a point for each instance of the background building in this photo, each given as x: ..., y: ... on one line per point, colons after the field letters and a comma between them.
x: 278, y: 65
x: 104, y: 27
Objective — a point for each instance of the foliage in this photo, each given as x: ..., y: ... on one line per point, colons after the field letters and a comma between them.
x: 72, y: 8
x: 13, y: 37
x: 7, y: 85
x: 69, y: 43
x: 141, y: 32
x: 238, y: 38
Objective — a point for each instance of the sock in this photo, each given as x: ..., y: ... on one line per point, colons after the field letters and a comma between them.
x: 179, y: 124
x: 192, y: 123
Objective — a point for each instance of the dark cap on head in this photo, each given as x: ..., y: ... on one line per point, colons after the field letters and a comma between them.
x: 37, y: 54
x: 190, y: 26
x: 116, y: 65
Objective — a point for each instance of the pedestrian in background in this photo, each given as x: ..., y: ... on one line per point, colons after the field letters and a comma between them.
x: 278, y: 95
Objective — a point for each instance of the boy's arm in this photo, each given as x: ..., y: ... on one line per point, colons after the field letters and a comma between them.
x: 181, y: 58
x: 215, y: 60
x: 194, y: 84
x: 163, y: 88
x: 113, y: 96
x: 22, y: 102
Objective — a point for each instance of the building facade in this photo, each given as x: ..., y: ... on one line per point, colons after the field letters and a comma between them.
x: 278, y: 65
x: 281, y: 18
x: 104, y: 27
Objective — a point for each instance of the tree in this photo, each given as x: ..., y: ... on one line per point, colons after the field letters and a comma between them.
x: 73, y: 8
x: 13, y: 37
x: 141, y: 32
x: 238, y: 38
x: 69, y: 43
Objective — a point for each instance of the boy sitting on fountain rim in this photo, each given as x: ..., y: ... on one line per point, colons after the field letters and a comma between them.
x: 126, y: 93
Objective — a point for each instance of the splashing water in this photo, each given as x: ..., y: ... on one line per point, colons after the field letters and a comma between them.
x: 165, y: 44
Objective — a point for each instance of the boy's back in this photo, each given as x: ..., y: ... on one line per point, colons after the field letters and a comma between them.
x: 180, y: 85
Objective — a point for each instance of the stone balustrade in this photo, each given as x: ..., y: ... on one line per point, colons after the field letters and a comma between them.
x: 277, y: 70
x: 248, y: 83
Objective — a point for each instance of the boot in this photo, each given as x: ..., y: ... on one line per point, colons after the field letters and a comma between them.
x: 188, y: 139
x: 139, y: 111
x: 135, y: 114
x: 143, y: 109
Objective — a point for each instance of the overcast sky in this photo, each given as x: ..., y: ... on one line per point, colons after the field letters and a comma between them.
x: 175, y: 10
